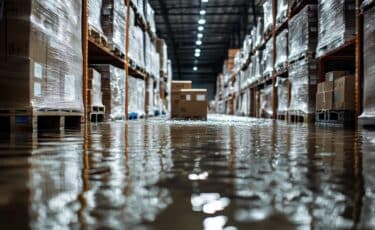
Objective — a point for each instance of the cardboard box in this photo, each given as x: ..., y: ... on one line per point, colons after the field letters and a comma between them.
x: 324, y: 101
x: 344, y: 93
x: 325, y: 86
x: 232, y: 53
x: 178, y: 85
x: 324, y: 96
x: 334, y: 75
x: 190, y: 103
x: 39, y: 67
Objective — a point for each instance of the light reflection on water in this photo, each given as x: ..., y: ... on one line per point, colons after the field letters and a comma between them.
x: 229, y: 174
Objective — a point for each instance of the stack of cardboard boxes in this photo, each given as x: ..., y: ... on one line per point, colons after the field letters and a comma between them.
x: 337, y: 92
x: 188, y: 103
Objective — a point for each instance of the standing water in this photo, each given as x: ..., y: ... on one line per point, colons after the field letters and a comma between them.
x: 226, y: 173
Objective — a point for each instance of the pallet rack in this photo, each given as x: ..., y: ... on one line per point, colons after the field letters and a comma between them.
x: 95, y: 52
x: 350, y: 51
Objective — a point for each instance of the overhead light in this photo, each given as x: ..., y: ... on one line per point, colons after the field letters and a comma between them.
x: 200, y: 28
x: 204, y: 0
x: 202, y: 21
x: 197, y: 54
x: 199, y: 42
x: 197, y: 50
x: 202, y: 12
x: 195, y: 68
x: 200, y: 35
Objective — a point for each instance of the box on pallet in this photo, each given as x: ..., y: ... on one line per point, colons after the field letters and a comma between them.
x: 344, y: 93
x: 114, y: 92
x: 324, y: 96
x: 95, y: 87
x: 113, y: 23
x: 369, y: 60
x: 190, y: 103
x: 40, y: 68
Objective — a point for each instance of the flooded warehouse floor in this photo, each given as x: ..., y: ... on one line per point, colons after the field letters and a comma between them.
x: 227, y: 173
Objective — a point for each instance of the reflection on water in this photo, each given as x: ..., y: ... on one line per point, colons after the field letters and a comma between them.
x: 227, y: 173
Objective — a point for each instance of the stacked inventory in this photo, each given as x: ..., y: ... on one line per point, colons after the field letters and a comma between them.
x: 281, y: 60
x: 282, y: 86
x: 113, y: 89
x: 369, y: 62
x: 41, y: 69
x: 302, y: 65
x: 336, y: 24
x: 97, y: 108
x: 188, y: 103
x: 137, y: 95
x: 113, y: 24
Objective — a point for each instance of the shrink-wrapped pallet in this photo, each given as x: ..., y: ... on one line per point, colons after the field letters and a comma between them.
x: 336, y: 24
x: 281, y: 60
x: 302, y: 76
x: 282, y: 85
x: 95, y: 7
x: 113, y: 89
x: 41, y: 55
x: 281, y: 11
x: 266, y: 101
x: 267, y: 16
x: 113, y: 23
x: 268, y: 59
x: 369, y: 61
x: 302, y: 37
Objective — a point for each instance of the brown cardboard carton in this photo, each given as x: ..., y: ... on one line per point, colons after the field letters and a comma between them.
x: 190, y: 103
x: 333, y: 75
x: 178, y: 85
x: 324, y: 101
x: 344, y: 93
x: 232, y: 53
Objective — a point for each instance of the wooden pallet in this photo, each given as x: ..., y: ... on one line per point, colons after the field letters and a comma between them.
x: 300, y: 117
x: 98, y: 37
x: 97, y: 117
x: 116, y: 51
x: 301, y: 56
x: 37, y: 120
x: 337, y: 117
x: 282, y: 116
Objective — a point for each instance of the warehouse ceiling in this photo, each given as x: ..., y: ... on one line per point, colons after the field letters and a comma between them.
x: 226, y: 25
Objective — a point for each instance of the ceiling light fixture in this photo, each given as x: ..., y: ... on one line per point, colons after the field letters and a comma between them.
x: 202, y: 12
x: 200, y: 35
x: 195, y: 68
x: 197, y: 50
x: 202, y: 21
x: 200, y: 28
x: 197, y: 54
x: 204, y: 0
x: 199, y: 42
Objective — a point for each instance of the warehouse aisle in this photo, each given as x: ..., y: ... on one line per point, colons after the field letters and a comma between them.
x: 227, y: 173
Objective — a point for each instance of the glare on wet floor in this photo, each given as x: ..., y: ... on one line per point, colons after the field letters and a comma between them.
x: 227, y: 173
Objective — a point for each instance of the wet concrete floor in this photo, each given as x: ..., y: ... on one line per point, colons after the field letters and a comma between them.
x: 227, y: 173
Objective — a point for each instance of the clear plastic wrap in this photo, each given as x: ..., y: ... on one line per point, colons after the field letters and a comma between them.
x: 42, y: 68
x: 303, y: 79
x: 253, y: 36
x: 336, y: 24
x: 113, y: 23
x: 136, y: 96
x: 96, y: 89
x: 136, y: 45
x: 268, y: 59
x: 302, y: 36
x: 162, y: 49
x: 282, y: 11
x: 369, y: 63
x: 151, y: 95
x: 281, y: 60
x: 266, y: 101
x: 259, y: 32
x: 114, y: 92
x: 257, y: 65
x: 150, y: 17
x: 246, y: 49
x: 282, y: 85
x: 267, y: 16
x: 95, y: 7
